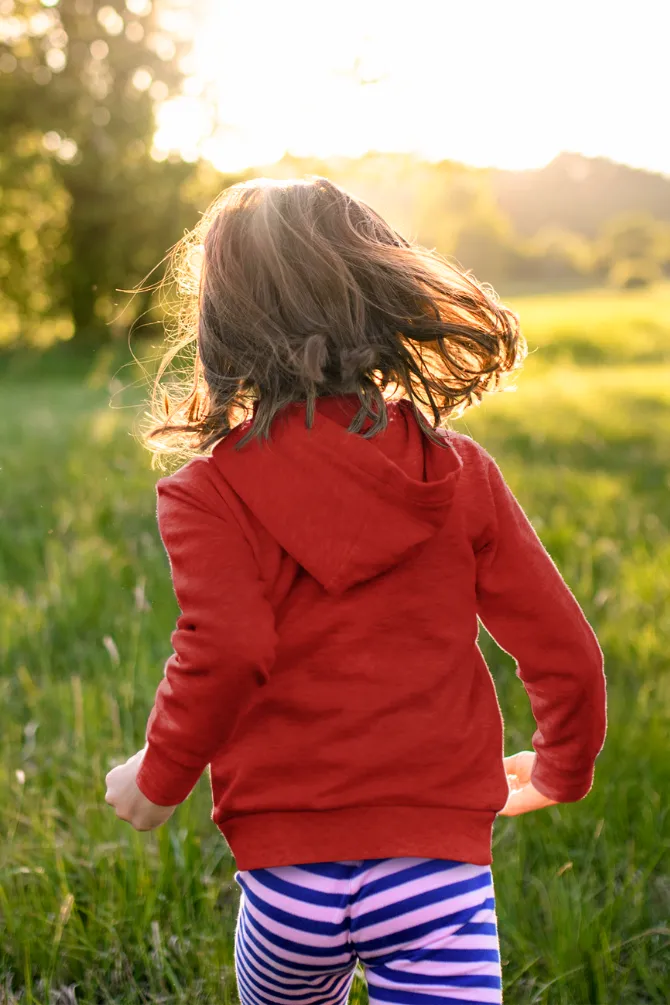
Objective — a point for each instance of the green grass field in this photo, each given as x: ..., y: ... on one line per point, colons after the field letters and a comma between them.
x: 86, y: 611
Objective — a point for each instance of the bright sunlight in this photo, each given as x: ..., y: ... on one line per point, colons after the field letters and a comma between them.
x: 508, y: 85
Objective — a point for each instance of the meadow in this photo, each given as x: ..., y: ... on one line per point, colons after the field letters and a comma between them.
x: 93, y: 912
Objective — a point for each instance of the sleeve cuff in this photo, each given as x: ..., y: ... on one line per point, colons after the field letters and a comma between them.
x: 163, y: 781
x: 559, y: 785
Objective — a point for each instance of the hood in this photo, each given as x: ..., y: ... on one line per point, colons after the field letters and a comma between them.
x: 344, y: 507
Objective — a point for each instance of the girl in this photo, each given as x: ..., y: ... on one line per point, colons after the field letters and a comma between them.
x: 332, y: 546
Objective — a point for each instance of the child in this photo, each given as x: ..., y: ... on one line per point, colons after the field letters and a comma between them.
x: 331, y: 550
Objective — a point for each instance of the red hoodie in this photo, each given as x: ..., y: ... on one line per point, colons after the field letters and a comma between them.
x: 325, y: 659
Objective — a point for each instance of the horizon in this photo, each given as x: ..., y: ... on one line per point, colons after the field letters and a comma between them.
x: 480, y: 167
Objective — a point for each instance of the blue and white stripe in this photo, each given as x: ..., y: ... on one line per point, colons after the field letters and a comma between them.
x: 424, y: 930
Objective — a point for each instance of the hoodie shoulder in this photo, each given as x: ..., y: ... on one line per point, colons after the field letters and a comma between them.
x: 191, y: 477
x: 475, y: 488
x: 472, y: 452
x: 198, y: 482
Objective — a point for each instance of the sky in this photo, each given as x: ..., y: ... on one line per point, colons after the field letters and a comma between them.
x: 508, y: 84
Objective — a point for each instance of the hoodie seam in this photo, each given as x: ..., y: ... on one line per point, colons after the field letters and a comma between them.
x: 388, y: 486
x: 404, y: 494
x: 392, y: 490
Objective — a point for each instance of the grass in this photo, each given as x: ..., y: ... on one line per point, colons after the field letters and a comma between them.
x: 93, y: 912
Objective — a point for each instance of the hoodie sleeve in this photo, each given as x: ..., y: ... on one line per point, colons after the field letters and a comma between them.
x: 524, y: 603
x: 224, y: 640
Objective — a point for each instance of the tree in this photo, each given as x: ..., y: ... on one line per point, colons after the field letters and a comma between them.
x: 33, y: 215
x: 85, y: 75
x: 557, y: 253
x: 634, y: 238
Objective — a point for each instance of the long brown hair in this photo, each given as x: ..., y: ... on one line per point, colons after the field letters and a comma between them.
x: 288, y: 290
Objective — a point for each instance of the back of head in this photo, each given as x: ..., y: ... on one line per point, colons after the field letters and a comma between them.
x: 289, y: 290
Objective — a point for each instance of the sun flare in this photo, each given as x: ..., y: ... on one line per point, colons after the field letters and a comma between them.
x: 509, y: 85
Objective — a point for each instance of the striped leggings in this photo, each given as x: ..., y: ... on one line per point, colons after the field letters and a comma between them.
x: 425, y: 931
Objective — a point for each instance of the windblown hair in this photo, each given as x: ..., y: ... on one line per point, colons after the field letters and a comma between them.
x: 289, y: 290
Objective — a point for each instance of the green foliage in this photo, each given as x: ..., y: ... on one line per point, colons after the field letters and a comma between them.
x: 86, y: 611
x: 34, y: 207
x: 486, y: 239
x: 632, y: 250
x: 77, y: 76
x: 556, y: 253
x: 89, y: 94
x: 631, y: 236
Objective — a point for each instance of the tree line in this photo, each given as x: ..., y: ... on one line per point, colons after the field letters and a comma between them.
x: 87, y: 211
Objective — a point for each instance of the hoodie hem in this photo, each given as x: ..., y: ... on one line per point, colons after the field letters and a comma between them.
x: 266, y: 840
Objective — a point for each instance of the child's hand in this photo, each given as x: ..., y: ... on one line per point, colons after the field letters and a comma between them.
x: 131, y: 804
x: 523, y: 796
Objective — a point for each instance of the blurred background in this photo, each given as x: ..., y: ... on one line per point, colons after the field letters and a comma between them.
x: 525, y: 142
